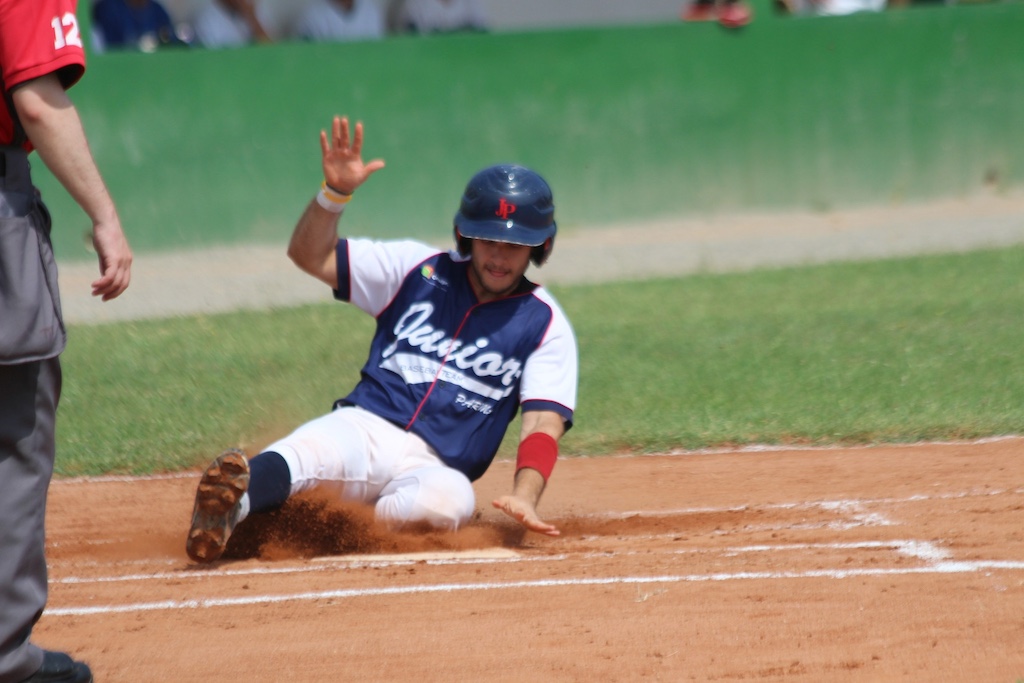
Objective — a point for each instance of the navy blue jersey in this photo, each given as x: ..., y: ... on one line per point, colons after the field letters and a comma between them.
x: 443, y: 365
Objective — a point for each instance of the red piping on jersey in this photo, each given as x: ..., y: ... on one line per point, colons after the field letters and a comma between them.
x: 444, y: 360
x: 423, y: 401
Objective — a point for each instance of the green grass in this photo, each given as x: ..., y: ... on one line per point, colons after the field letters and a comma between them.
x: 888, y: 351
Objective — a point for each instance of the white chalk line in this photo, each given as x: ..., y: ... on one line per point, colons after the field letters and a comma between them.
x: 934, y: 557
x: 840, y: 505
x: 919, y: 549
x: 836, y: 505
x: 207, y: 603
x: 324, y: 564
x: 377, y: 562
x: 331, y: 563
x: 778, y: 448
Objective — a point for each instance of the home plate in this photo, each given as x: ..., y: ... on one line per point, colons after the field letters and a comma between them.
x: 430, y: 556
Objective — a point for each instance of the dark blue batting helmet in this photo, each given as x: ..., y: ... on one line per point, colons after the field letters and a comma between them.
x: 507, y: 203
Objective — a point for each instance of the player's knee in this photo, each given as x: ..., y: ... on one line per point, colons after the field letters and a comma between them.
x: 454, y: 511
x: 444, y: 501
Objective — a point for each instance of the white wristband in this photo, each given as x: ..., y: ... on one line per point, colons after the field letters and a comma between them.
x: 325, y: 202
x: 332, y: 200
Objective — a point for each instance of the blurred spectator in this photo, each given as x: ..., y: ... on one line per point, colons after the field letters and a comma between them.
x: 437, y: 16
x: 132, y: 24
x: 833, y: 7
x: 231, y: 23
x: 728, y: 13
x: 326, y: 20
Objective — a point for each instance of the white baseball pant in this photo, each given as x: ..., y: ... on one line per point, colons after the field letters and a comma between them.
x: 367, y: 459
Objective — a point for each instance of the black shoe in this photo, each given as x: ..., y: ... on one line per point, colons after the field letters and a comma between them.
x: 60, y: 668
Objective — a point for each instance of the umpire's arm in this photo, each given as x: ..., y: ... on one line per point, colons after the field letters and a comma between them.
x: 55, y: 129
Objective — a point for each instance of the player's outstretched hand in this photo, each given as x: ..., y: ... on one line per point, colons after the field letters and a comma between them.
x: 344, y: 169
x: 524, y: 513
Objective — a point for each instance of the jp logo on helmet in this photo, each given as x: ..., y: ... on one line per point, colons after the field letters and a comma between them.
x: 505, y: 209
x: 507, y: 203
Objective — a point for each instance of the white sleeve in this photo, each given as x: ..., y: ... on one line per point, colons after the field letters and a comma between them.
x: 376, y: 270
x: 551, y: 372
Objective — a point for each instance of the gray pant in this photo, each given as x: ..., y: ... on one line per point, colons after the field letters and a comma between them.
x: 31, y: 325
x: 31, y: 339
x: 28, y: 405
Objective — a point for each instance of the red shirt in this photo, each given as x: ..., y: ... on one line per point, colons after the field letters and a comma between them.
x: 37, y: 37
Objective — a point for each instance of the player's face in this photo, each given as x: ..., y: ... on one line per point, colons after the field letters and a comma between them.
x: 496, y: 268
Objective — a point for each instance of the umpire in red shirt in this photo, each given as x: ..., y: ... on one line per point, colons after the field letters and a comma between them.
x: 40, y: 57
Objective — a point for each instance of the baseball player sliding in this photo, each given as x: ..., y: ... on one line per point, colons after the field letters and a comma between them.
x: 463, y: 341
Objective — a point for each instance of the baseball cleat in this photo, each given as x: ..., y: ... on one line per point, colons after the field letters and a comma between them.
x: 217, y: 506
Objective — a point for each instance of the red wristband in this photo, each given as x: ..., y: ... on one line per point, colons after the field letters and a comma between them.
x: 538, y: 451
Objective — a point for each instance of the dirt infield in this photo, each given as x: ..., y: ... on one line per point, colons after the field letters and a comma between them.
x: 875, y: 564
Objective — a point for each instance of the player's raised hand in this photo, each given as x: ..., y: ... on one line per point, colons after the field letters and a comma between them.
x: 344, y: 169
x: 524, y: 513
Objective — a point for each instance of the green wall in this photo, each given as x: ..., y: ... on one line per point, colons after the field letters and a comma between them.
x: 203, y: 147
